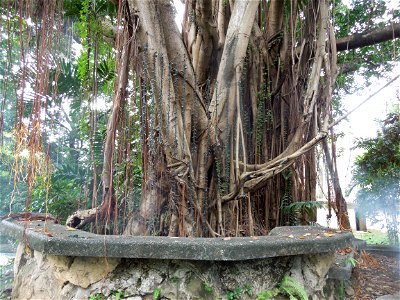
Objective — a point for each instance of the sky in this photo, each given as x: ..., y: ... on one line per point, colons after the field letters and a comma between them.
x: 179, y: 6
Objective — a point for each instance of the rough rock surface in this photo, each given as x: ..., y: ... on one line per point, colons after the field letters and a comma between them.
x: 41, y: 276
x: 311, y: 271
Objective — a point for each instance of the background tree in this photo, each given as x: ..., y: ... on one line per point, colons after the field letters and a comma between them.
x: 377, y: 175
x: 363, y: 51
x: 70, y: 140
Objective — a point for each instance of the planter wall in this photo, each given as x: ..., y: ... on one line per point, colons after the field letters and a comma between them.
x: 229, y: 268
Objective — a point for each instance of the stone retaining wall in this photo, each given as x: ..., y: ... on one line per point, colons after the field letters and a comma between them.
x: 41, y: 276
x: 55, y: 262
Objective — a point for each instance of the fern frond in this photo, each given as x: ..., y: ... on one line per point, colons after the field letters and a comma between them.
x: 293, y: 288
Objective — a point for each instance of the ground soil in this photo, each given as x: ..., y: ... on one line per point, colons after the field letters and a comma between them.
x: 376, y: 275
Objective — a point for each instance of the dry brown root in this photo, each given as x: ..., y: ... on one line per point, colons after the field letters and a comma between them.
x: 367, y: 260
x: 82, y: 217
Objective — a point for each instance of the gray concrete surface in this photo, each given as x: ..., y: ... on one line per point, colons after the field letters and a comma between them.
x: 55, y: 239
x: 342, y: 268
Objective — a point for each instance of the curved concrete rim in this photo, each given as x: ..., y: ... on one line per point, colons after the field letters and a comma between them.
x: 55, y: 239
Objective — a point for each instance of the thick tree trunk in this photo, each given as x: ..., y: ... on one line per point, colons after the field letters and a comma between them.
x: 230, y: 111
x: 171, y: 77
x: 226, y: 109
x: 218, y: 158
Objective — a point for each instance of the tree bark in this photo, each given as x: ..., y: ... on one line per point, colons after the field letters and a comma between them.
x: 376, y: 36
x: 340, y: 202
x: 228, y: 106
x: 223, y: 104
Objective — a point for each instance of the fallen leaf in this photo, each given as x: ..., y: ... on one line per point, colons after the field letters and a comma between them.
x: 27, y: 249
x: 302, y: 237
x: 329, y: 234
x: 291, y: 236
x: 345, y: 251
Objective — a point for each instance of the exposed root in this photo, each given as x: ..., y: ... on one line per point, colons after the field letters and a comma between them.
x: 82, y: 217
x: 366, y: 260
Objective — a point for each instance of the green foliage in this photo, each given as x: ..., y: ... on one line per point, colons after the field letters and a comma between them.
x: 377, y: 175
x: 268, y: 294
x: 157, y: 293
x: 82, y: 68
x: 248, y: 289
x: 342, y: 290
x: 235, y: 294
x: 371, y: 61
x: 288, y: 286
x: 72, y: 8
x: 105, y: 70
x: 117, y: 294
x: 299, y: 212
x: 93, y: 41
x: 10, y: 193
x: 64, y: 194
x: 350, y: 261
x: 207, y: 288
x: 238, y: 292
x: 293, y: 289
x: 373, y: 237
x: 359, y: 16
x: 97, y: 296
x: 305, y: 207
x: 68, y: 82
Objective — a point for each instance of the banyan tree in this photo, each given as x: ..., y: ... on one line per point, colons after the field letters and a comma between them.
x: 230, y: 107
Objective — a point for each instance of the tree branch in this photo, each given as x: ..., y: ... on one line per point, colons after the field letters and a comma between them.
x: 373, y: 37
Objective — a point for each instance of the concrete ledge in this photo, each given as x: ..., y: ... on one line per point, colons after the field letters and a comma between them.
x: 55, y: 239
x: 342, y: 268
x: 393, y: 251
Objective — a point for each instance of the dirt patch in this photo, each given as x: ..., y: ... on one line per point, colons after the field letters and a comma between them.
x: 376, y: 275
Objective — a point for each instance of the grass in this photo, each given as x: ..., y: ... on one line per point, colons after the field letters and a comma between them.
x: 373, y: 237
